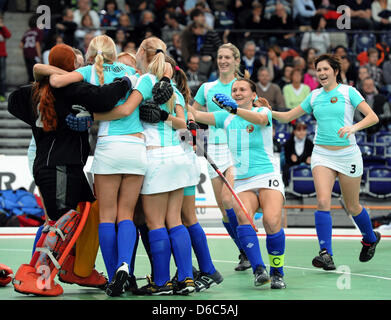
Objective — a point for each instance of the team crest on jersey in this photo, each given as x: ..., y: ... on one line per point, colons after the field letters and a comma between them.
x: 333, y: 99
x: 250, y: 128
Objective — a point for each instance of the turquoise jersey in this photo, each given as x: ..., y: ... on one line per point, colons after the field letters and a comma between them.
x: 127, y: 125
x: 204, y: 97
x: 332, y: 110
x: 157, y: 134
x: 251, y: 145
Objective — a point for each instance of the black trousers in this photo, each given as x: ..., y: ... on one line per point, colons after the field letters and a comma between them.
x: 62, y: 188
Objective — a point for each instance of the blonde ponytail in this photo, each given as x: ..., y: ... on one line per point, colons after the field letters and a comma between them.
x: 101, y: 50
x: 155, y: 50
x: 99, y: 68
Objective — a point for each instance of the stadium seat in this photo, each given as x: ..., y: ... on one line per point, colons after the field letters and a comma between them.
x: 383, y: 138
x: 363, y: 41
x: 361, y: 137
x: 386, y: 38
x: 378, y: 182
x: 372, y: 155
x: 301, y: 182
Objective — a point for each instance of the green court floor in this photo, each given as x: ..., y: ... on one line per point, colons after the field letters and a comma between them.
x: 352, y: 280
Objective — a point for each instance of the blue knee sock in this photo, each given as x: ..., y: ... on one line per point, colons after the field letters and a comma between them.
x: 132, y: 262
x: 126, y: 238
x: 37, y: 236
x: 108, y: 247
x: 201, y: 249
x: 363, y: 222
x: 144, y: 231
x: 161, y: 254
x: 181, y: 249
x: 233, y: 221
x: 249, y: 241
x: 275, y: 244
x: 233, y: 235
x: 324, y: 229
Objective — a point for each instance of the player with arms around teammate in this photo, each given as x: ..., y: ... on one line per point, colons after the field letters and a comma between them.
x: 336, y: 154
x: 228, y: 62
x: 258, y: 181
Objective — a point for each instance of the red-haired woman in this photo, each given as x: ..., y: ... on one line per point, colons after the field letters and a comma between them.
x: 61, y: 152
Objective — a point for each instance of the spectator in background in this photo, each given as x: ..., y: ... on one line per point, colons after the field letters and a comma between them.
x: 125, y: 24
x: 198, y: 39
x: 309, y: 55
x: 110, y: 17
x: 224, y: 12
x: 4, y: 35
x: 282, y: 20
x: 286, y: 76
x: 317, y: 38
x: 31, y: 44
x: 375, y: 72
x: 309, y: 77
x: 252, y: 18
x: 146, y: 27
x: 171, y: 26
x: 379, y: 9
x: 347, y: 72
x: 84, y: 8
x: 270, y: 91
x: 297, y: 149
x: 361, y: 16
x: 363, y: 73
x: 299, y: 63
x: 271, y: 6
x: 120, y: 40
x: 67, y: 28
x: 209, y: 16
x: 87, y: 26
x: 249, y: 60
x: 136, y: 7
x: 379, y: 104
x: 194, y: 77
x: 303, y: 12
x: 274, y: 63
x: 295, y: 92
x: 387, y: 75
x: 175, y: 50
x: 86, y: 42
x: 56, y: 39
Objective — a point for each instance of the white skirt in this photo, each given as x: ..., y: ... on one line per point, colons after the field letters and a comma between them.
x: 121, y: 154
x: 221, y: 156
x: 261, y: 181
x: 347, y: 161
x: 169, y: 169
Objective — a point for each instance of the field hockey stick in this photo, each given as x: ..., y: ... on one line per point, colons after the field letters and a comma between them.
x: 211, y: 162
x: 342, y: 203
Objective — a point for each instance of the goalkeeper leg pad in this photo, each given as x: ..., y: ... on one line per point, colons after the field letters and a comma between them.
x: 36, y: 277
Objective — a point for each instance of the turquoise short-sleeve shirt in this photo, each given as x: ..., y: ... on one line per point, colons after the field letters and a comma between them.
x: 251, y: 145
x: 332, y: 111
x: 127, y: 125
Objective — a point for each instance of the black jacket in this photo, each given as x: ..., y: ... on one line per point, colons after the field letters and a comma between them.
x: 65, y: 146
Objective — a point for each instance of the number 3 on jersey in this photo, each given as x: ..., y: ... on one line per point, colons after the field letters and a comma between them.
x: 353, y: 168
